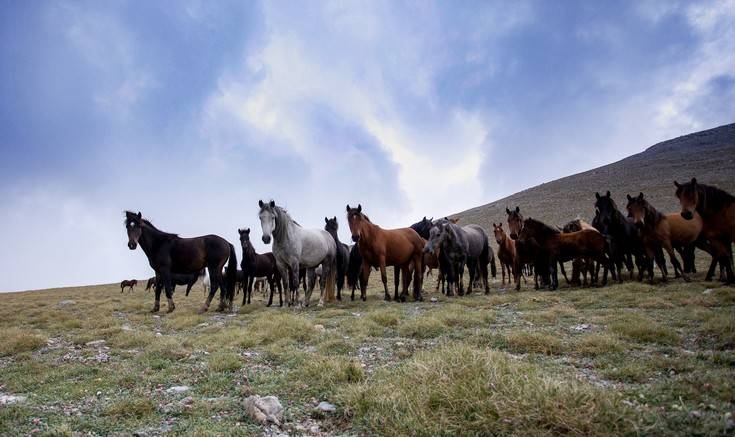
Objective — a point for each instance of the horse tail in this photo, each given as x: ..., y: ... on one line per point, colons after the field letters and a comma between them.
x: 231, y: 274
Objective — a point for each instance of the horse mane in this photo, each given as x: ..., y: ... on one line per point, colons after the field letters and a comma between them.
x: 715, y: 198
x: 541, y: 226
x: 148, y: 223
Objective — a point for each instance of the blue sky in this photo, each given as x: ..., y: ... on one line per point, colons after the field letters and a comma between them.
x: 191, y: 111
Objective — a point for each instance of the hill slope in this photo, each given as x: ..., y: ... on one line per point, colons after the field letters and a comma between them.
x: 708, y: 155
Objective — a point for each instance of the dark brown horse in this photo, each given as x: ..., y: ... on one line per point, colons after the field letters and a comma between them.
x: 560, y: 247
x: 656, y: 233
x: 581, y: 266
x: 170, y: 254
x: 717, y: 209
x: 188, y: 279
x: 343, y: 254
x: 128, y: 283
x: 386, y: 247
x: 527, y: 256
x: 151, y: 282
x: 255, y: 265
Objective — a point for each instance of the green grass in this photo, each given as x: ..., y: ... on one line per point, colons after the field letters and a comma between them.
x: 624, y: 359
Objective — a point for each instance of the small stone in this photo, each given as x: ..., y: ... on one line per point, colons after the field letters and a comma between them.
x: 177, y: 389
x: 158, y: 334
x: 126, y: 328
x: 95, y: 343
x: 434, y: 300
x: 99, y: 393
x: 187, y: 400
x: 399, y: 343
x: 65, y: 302
x: 707, y: 291
x: 319, y: 328
x: 264, y: 409
x: 326, y: 407
x: 314, y: 429
x: 102, y: 357
x: 11, y: 399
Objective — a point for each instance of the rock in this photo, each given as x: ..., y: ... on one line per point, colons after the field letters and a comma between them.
x: 158, y: 334
x: 264, y: 409
x: 707, y: 291
x: 177, y: 389
x: 95, y: 343
x: 326, y: 407
x: 65, y: 302
x: 582, y: 327
x: 434, y: 300
x: 126, y: 328
x: 102, y: 357
x: 11, y: 399
x: 187, y: 401
x: 319, y: 328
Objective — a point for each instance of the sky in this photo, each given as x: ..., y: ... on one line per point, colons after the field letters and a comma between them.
x: 191, y: 111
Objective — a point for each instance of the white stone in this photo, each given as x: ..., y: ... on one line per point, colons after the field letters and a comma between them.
x: 326, y: 407
x: 95, y: 343
x: 177, y: 389
x: 11, y: 399
x: 264, y: 409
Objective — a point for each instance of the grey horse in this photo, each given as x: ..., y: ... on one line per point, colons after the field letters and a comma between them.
x: 297, y: 248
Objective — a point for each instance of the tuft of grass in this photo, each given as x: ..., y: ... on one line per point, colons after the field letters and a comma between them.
x: 467, y: 391
x: 387, y: 318
x: 14, y: 341
x: 722, y: 327
x: 644, y: 329
x: 422, y: 327
x: 534, y: 342
x: 322, y: 375
x: 592, y: 345
x: 137, y: 408
x: 224, y: 362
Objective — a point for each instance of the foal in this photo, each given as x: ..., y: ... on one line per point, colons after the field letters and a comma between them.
x: 506, y: 251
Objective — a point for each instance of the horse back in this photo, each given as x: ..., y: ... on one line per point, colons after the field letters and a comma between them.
x: 578, y: 243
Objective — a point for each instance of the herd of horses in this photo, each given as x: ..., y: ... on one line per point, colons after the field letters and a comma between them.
x: 639, y: 237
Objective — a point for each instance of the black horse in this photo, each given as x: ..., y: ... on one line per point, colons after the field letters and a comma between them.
x: 343, y: 254
x: 188, y: 279
x: 354, y: 266
x: 170, y: 254
x: 256, y: 265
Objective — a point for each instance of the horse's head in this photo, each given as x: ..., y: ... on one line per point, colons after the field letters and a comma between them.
x: 439, y: 232
x: 499, y: 233
x: 267, y: 216
x: 133, y: 225
x: 422, y: 227
x: 688, y: 194
x: 605, y: 212
x: 515, y: 222
x: 244, y: 237
x: 355, y: 219
x: 331, y: 225
x: 638, y: 209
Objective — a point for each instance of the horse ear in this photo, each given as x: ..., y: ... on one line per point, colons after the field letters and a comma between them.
x: 507, y: 211
x: 326, y: 220
x: 431, y: 219
x: 694, y: 181
x: 424, y: 219
x: 335, y: 218
x: 608, y: 193
x: 348, y: 207
x: 240, y: 231
x: 247, y: 231
x: 629, y: 198
x: 518, y: 209
x: 260, y: 203
x: 359, y: 207
x: 640, y: 196
x: 597, y: 195
x: 140, y: 216
x: 678, y: 185
x: 273, y: 203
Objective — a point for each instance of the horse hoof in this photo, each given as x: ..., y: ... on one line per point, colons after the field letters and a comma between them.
x: 387, y: 298
x: 202, y: 310
x: 170, y: 310
x: 154, y: 310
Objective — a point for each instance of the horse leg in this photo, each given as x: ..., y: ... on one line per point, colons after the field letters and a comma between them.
x: 418, y: 278
x: 677, y: 266
x: 364, y: 275
x: 157, y: 292
x: 396, y: 279
x: 384, y: 279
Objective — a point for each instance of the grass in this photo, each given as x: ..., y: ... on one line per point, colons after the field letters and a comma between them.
x: 624, y: 359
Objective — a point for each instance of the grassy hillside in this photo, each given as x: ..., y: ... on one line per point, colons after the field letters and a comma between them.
x: 708, y: 155
x: 622, y: 360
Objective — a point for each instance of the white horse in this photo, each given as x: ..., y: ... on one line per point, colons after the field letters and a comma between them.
x: 206, y: 283
x: 297, y: 248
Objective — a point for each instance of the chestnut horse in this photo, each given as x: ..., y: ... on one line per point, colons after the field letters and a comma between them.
x: 506, y: 251
x: 387, y: 247
x: 656, y: 232
x: 717, y: 209
x: 125, y: 283
x: 170, y: 254
x: 581, y: 266
x: 561, y: 247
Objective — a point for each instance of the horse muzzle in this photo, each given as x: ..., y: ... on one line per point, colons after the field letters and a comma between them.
x: 355, y: 238
x: 132, y: 245
x: 687, y: 215
x: 513, y: 236
x: 266, y: 239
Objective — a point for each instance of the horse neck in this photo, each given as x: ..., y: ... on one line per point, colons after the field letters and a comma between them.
x: 652, y: 215
x: 151, y: 238
x: 368, y: 228
x: 285, y: 227
x: 334, y: 235
x: 249, y: 254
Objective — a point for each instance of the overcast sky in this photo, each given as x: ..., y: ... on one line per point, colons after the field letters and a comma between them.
x: 191, y: 111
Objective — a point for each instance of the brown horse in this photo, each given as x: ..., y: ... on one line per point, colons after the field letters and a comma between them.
x: 581, y: 266
x: 128, y: 283
x: 506, y: 251
x: 717, y: 209
x: 656, y: 233
x: 561, y: 247
x: 151, y: 282
x: 387, y: 247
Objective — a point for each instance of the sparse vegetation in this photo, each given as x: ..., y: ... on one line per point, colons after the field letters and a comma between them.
x: 625, y: 359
